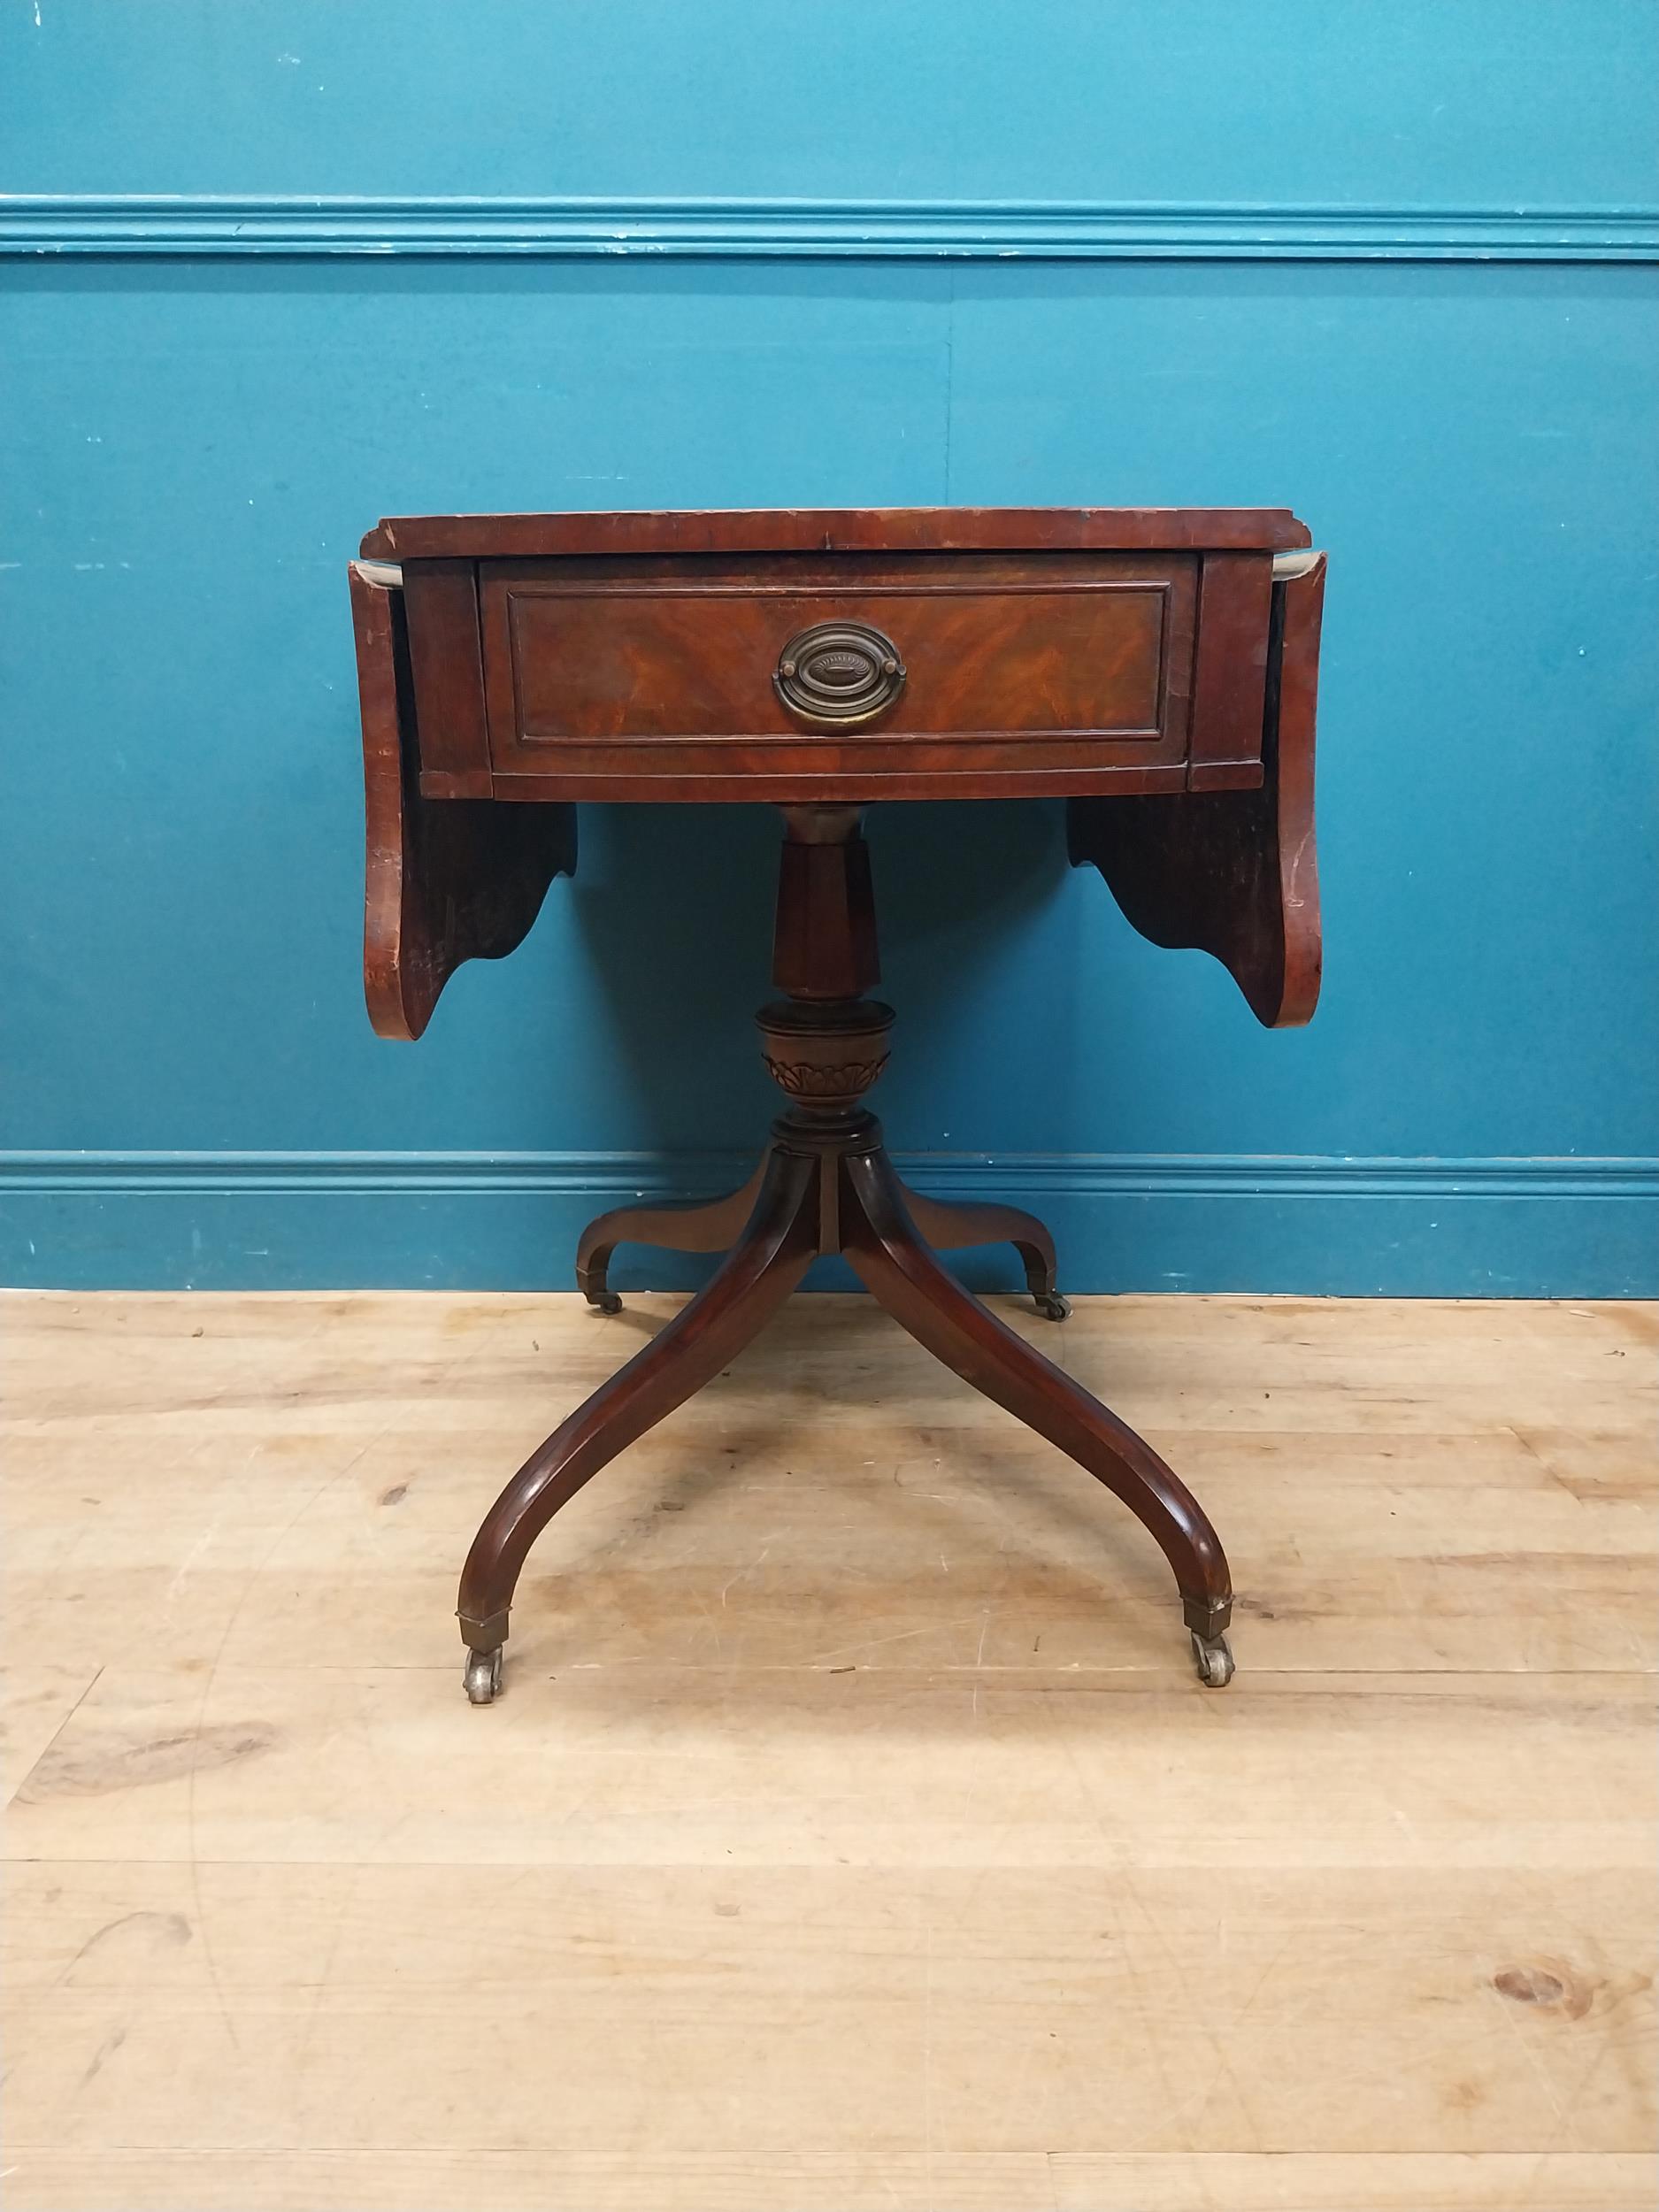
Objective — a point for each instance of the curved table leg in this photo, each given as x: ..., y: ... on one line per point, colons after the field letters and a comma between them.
x: 713, y: 1225
x: 767, y: 1262
x: 953, y: 1228
x: 882, y: 1242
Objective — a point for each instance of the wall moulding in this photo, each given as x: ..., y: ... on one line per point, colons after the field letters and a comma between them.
x: 206, y: 226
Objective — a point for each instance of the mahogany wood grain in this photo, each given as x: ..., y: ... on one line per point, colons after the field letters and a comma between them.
x: 1230, y: 678
x: 716, y: 1224
x: 1235, y: 873
x: 446, y: 879
x: 837, y: 530
x: 746, y: 1289
x: 823, y: 934
x: 826, y: 1185
x: 648, y: 650
x: 712, y: 1226
x: 1145, y: 664
x: 1025, y: 665
x: 1049, y: 652
x: 953, y: 1228
x: 961, y: 769
x: 440, y: 609
x: 882, y: 1244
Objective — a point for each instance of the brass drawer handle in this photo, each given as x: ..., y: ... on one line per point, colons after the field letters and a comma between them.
x: 839, y: 672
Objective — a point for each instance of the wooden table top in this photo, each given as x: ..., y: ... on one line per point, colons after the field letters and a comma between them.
x: 838, y: 530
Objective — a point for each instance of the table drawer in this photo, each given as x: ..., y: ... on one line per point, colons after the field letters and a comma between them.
x: 888, y: 671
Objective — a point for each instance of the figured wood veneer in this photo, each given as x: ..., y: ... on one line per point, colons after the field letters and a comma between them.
x: 1235, y: 873
x: 1156, y: 667
x: 447, y: 880
x: 1142, y: 663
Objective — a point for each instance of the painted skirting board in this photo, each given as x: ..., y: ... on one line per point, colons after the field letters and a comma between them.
x: 1320, y: 1226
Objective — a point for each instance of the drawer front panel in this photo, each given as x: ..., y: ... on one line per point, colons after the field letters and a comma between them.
x: 627, y: 668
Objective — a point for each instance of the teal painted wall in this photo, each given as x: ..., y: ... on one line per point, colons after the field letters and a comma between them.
x: 1393, y: 267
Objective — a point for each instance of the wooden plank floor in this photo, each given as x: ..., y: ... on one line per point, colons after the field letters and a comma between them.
x: 852, y: 1832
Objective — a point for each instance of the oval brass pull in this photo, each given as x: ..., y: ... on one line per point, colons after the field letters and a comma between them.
x: 839, y: 672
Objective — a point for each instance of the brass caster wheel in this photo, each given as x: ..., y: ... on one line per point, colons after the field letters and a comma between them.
x: 1053, y: 1305
x: 482, y: 1679
x: 605, y: 1301
x: 1213, y: 1660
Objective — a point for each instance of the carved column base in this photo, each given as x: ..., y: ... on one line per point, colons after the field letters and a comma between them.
x: 823, y: 1056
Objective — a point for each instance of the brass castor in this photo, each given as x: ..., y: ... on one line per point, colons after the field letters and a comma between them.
x: 1213, y: 1659
x: 482, y: 1679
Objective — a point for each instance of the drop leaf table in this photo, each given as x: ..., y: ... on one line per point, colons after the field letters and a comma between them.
x: 1156, y: 667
